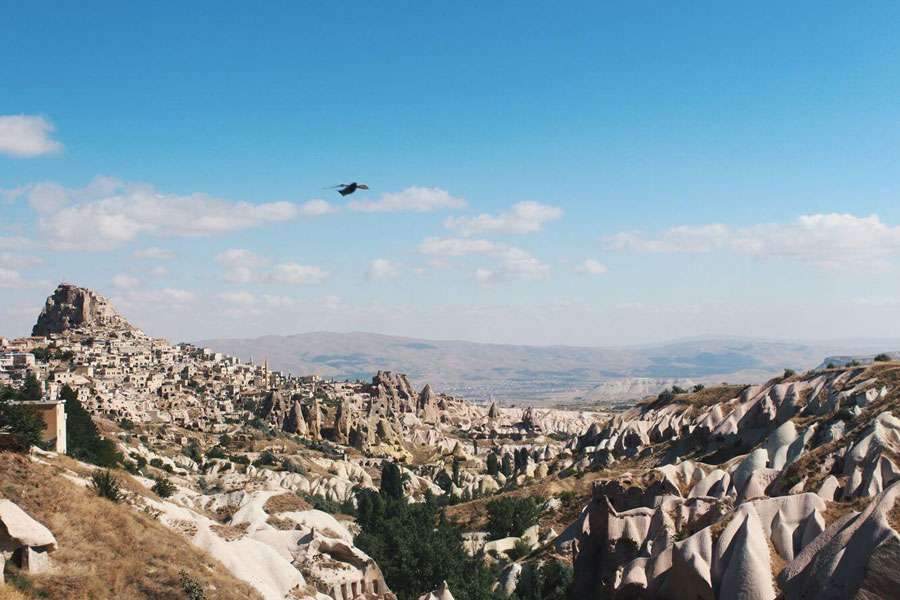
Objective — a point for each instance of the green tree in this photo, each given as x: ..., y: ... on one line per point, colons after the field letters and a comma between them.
x: 551, y: 580
x: 31, y: 390
x: 83, y: 439
x: 493, y: 464
x: 391, y: 480
x: 22, y: 420
x: 506, y: 466
x: 510, y: 517
x: 882, y: 358
x: 42, y: 354
x: 417, y: 548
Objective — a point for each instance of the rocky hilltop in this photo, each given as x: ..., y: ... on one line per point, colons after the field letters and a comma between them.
x: 71, y: 307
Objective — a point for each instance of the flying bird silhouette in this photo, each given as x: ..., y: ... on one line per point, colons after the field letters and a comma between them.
x: 348, y: 188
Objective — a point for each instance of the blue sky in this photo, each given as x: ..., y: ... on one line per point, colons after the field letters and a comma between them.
x: 599, y: 174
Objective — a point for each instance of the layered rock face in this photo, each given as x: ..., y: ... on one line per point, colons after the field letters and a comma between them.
x: 795, y: 497
x: 71, y: 307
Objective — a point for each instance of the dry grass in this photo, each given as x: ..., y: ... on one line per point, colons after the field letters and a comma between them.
x: 8, y: 592
x: 282, y: 524
x: 231, y: 532
x: 719, y: 526
x: 698, y: 400
x: 286, y: 502
x: 893, y: 517
x: 108, y: 550
x: 776, y: 563
x: 836, y: 510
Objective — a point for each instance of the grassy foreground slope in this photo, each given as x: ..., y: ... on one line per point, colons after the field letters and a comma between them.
x: 106, y: 550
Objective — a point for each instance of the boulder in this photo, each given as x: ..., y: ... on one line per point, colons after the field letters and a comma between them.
x: 23, y: 538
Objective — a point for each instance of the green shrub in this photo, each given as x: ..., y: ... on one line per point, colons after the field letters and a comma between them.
x: 266, y: 459
x: 551, y: 580
x: 789, y: 373
x: 882, y: 358
x: 194, y: 452
x: 191, y: 587
x: 106, y: 485
x: 22, y: 420
x: 510, y: 517
x: 329, y: 506
x: 666, y: 396
x: 215, y: 452
x: 163, y: 487
x: 519, y: 550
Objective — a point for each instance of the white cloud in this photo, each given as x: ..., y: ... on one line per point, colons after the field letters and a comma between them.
x: 240, y: 257
x: 295, y: 273
x: 15, y: 243
x: 439, y: 246
x: 20, y: 261
x: 827, y: 240
x: 166, y: 299
x: 318, y: 208
x: 108, y: 213
x: 240, y: 264
x: 157, y: 271
x: 412, y: 199
x: 47, y: 196
x: 243, y: 266
x: 153, y: 253
x: 240, y: 304
x: 177, y: 297
x: 13, y: 280
x: 26, y: 136
x: 238, y: 298
x: 125, y: 282
x: 591, y: 267
x: 514, y: 264
x: 522, y: 217
x: 11, y: 195
x: 875, y: 302
x: 382, y: 269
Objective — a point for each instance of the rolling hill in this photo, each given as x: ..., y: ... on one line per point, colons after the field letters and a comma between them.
x: 535, y: 372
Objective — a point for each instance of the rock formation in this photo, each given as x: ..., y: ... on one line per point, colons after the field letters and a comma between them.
x: 24, y: 539
x: 71, y: 307
x: 441, y: 593
x: 784, y: 458
x: 427, y: 406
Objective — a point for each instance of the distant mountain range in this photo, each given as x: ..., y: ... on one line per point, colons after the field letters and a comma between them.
x: 518, y: 373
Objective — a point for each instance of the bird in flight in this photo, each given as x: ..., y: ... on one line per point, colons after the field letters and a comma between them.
x: 348, y: 188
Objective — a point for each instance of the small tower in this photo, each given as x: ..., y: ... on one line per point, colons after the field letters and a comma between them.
x: 266, y: 371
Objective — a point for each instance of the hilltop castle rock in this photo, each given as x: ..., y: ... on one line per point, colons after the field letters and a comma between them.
x: 71, y: 307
